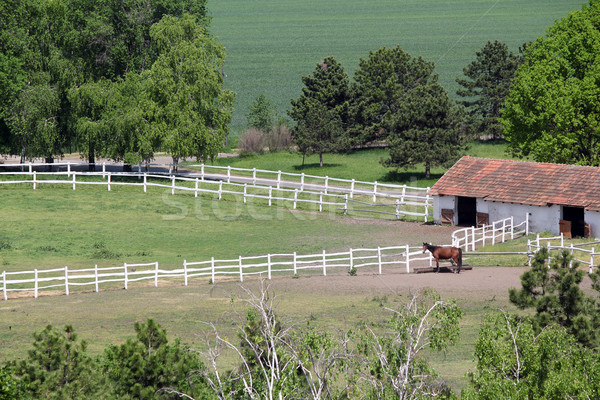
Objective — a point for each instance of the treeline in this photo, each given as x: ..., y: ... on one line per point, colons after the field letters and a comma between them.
x: 550, y: 354
x: 110, y: 78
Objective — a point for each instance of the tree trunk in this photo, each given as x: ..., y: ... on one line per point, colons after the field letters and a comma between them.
x: 91, y: 158
x: 320, y: 159
x: 175, y: 163
x: 427, y: 170
x: 49, y: 160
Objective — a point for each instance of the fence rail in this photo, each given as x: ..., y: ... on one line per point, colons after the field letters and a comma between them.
x: 397, y: 258
x: 533, y: 246
x: 398, y: 207
x: 496, y: 232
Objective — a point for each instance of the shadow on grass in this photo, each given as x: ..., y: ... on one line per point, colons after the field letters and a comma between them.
x: 409, y: 177
x: 315, y: 166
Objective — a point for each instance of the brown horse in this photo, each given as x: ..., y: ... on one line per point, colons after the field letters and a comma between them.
x: 444, y: 253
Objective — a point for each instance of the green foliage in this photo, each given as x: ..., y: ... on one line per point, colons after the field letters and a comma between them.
x: 552, y: 113
x: 557, y: 298
x: 515, y: 361
x: 261, y: 114
x: 144, y: 367
x: 58, y: 367
x: 10, y: 387
x: 321, y: 111
x: 487, y: 84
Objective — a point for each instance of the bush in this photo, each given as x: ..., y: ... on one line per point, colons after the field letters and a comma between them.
x: 251, y: 142
x: 280, y: 138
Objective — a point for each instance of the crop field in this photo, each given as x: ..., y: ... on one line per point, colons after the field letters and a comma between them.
x: 270, y: 45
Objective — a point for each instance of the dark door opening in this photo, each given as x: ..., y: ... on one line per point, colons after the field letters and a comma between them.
x: 576, y: 216
x: 466, y: 209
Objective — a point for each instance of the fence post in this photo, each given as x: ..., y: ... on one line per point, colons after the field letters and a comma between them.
x: 473, y: 238
x: 172, y: 184
x: 379, y: 258
x: 245, y: 191
x: 35, y: 283
x: 278, y: 179
x: 529, y: 253
x: 295, y: 198
x: 295, y: 265
x: 270, y: 193
x: 185, y: 279
x: 212, y: 269
x: 108, y: 182
x: 30, y: 169
x: 483, y: 235
x: 68, y: 168
x: 398, y: 209
x: 202, y: 171
x: 375, y: 192
x: 346, y: 204
x: 321, y: 202
x: 351, y: 260
x: 431, y: 257
x: 254, y: 176
x: 74, y: 173
x: 104, y: 170
x: 4, y: 285
x: 269, y: 266
x: 571, y: 262
x: 512, y: 227
x: 527, y: 224
x: 302, y: 181
x: 66, y: 280
x: 407, y: 259
x: 196, y: 188
x: 562, y: 240
x: 125, y: 269
x: 96, y: 277
x: 493, y: 233
x: 503, y: 231
x: 34, y: 179
x: 324, y: 265
x: 220, y: 189
x: 145, y: 181
x: 241, y: 270
x: 352, y: 189
x: 326, y: 183
x: 591, y: 261
x: 228, y: 173
x: 156, y: 274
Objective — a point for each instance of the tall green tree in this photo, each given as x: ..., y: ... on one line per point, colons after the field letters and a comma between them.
x: 426, y: 128
x: 555, y: 294
x: 261, y: 114
x: 321, y: 111
x: 485, y: 86
x: 380, y: 85
x: 552, y: 113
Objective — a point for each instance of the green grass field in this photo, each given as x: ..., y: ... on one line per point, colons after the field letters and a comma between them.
x: 271, y: 45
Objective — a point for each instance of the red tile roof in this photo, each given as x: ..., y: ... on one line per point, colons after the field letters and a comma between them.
x: 522, y: 182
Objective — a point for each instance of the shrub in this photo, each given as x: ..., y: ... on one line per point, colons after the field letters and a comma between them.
x: 251, y: 142
x: 280, y: 138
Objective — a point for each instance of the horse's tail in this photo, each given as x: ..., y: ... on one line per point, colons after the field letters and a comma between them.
x: 459, y: 259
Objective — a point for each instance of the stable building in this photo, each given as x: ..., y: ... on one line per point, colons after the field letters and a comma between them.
x: 555, y: 197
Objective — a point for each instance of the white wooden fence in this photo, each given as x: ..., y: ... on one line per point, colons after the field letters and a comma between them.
x: 497, y: 232
x: 406, y: 204
x: 557, y: 243
x: 65, y: 280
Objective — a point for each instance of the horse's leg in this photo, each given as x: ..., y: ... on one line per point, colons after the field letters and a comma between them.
x: 437, y: 264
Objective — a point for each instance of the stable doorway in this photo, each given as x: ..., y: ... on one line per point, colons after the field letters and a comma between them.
x: 573, y: 224
x: 466, y: 209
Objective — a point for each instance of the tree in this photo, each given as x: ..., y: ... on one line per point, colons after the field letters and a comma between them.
x: 426, y: 128
x: 192, y: 110
x: 552, y: 113
x: 321, y: 110
x: 515, y: 361
x: 380, y: 85
x: 555, y: 295
x: 151, y: 368
x: 10, y: 387
x: 393, y: 365
x: 261, y: 114
x: 487, y: 84
x: 58, y: 366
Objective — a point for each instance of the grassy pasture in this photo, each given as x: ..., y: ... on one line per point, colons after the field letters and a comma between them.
x: 270, y: 45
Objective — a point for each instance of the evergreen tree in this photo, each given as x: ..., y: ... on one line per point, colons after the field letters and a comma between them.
x: 321, y: 110
x: 261, y: 114
x: 487, y: 84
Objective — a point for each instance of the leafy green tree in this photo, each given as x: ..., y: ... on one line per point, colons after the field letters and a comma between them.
x: 261, y: 114
x: 426, y: 128
x: 487, y: 84
x: 557, y: 298
x: 10, y: 387
x: 58, y: 367
x: 151, y: 368
x: 380, y: 85
x: 321, y: 111
x: 552, y: 112
x: 515, y: 361
x: 393, y: 363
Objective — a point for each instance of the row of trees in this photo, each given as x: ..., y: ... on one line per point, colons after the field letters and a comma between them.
x: 117, y: 79
x: 550, y: 354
